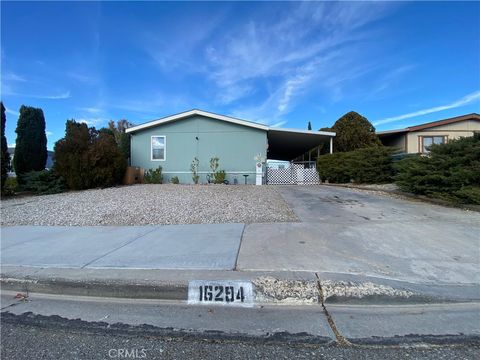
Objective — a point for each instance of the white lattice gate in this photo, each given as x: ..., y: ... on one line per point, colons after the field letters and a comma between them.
x: 295, y: 173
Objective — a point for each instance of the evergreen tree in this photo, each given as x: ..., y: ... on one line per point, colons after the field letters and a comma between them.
x: 353, y: 131
x: 87, y: 158
x: 71, y: 154
x: 121, y: 137
x: 31, y: 144
x: 5, y: 160
x: 309, y: 126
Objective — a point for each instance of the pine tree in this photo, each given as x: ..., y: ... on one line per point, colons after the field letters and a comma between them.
x: 309, y: 126
x: 31, y: 144
x: 5, y: 160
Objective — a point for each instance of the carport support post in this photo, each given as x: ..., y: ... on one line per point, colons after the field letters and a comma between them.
x: 331, y: 145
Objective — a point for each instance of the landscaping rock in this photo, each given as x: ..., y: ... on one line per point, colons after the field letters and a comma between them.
x: 150, y: 204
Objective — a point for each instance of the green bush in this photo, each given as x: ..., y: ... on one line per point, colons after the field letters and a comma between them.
x: 10, y: 186
x: 372, y: 165
x: 450, y: 171
x: 174, y: 180
x: 220, y: 176
x: 153, y: 176
x: 43, y: 182
x: 88, y: 158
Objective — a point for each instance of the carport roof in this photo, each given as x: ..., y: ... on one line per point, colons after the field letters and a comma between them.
x: 283, y: 144
x: 287, y: 144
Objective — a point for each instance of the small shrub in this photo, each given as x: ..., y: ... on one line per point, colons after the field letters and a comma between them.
x: 10, y: 187
x: 43, y: 182
x: 153, y: 176
x: 366, y: 166
x: 174, y: 180
x: 220, y: 176
x: 194, y: 170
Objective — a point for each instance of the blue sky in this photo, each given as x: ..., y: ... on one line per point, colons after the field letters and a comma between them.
x: 282, y: 64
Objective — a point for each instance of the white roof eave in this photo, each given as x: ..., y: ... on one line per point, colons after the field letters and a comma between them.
x: 196, y: 112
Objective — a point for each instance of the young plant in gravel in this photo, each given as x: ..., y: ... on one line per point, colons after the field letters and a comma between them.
x: 194, y: 169
x: 214, y: 166
x: 153, y: 176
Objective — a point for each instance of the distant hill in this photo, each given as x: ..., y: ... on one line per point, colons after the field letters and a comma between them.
x: 48, y: 165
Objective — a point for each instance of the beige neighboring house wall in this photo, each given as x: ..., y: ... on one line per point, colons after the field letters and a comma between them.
x: 411, y: 139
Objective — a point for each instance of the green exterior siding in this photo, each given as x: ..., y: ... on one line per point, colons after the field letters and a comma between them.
x: 235, y: 145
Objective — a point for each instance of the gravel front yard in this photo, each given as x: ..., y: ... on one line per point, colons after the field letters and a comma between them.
x: 150, y: 205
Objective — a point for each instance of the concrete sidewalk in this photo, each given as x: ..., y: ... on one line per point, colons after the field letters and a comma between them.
x: 205, y: 246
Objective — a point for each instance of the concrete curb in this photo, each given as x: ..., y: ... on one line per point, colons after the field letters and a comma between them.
x: 290, y: 288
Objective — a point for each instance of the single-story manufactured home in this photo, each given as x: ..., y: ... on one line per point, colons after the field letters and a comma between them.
x: 417, y: 139
x: 243, y: 147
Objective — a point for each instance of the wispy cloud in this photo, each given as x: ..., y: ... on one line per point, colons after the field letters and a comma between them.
x: 278, y: 124
x: 467, y: 99
x: 91, y: 110
x: 312, y: 46
x: 64, y: 95
x: 10, y: 76
x: 12, y: 112
x: 83, y: 77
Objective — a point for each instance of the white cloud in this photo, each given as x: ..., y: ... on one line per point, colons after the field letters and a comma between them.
x: 278, y: 124
x: 13, y: 77
x: 467, y: 99
x: 91, y: 110
x: 83, y: 77
x: 64, y: 95
x: 12, y: 112
x: 48, y: 133
x: 313, y: 46
x: 92, y: 121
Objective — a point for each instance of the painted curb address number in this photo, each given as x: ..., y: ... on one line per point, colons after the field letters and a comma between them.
x: 236, y: 293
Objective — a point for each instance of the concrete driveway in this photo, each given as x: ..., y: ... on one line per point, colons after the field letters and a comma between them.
x: 352, y: 232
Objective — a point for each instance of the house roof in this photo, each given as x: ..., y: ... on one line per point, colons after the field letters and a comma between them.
x: 193, y: 112
x: 432, y: 124
x: 283, y: 144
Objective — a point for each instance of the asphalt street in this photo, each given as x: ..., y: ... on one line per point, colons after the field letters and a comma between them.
x: 49, y: 342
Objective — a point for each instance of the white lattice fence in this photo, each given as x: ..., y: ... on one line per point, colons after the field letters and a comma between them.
x: 279, y: 176
x: 300, y: 174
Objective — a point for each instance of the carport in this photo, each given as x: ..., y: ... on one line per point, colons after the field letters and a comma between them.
x: 295, y: 147
x: 290, y: 144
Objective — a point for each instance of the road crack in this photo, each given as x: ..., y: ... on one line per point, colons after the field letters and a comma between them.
x: 341, y: 340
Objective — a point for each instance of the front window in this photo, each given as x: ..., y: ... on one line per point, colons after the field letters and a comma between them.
x: 158, y: 148
x: 427, y: 141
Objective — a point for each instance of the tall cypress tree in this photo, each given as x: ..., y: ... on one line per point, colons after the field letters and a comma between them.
x: 5, y: 160
x: 31, y: 144
x: 309, y: 127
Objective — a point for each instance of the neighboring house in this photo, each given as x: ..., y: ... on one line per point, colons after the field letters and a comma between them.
x: 48, y: 165
x: 174, y: 141
x: 417, y: 139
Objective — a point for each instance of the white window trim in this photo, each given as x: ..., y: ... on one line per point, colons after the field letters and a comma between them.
x: 422, y: 138
x: 164, y: 148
